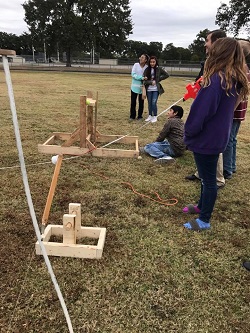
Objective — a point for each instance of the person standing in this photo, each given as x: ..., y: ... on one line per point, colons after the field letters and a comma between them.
x: 136, y: 86
x: 229, y: 155
x: 224, y: 81
x: 153, y: 75
x: 211, y: 37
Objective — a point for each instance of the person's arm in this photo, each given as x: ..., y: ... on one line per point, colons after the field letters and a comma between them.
x: 163, y: 74
x: 164, y: 132
x: 202, y: 109
x: 135, y: 75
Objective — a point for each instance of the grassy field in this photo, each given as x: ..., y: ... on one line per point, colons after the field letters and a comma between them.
x: 154, y: 275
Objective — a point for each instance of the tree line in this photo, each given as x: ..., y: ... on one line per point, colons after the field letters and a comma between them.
x: 79, y: 26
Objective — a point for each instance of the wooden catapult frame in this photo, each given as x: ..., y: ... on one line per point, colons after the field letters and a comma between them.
x: 88, y: 136
x: 71, y: 231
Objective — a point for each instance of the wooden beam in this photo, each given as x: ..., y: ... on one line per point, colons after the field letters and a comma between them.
x: 69, y: 234
x: 83, y: 120
x: 73, y: 138
x: 52, y: 190
x: 75, y: 208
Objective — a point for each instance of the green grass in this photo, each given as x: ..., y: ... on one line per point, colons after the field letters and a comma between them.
x: 154, y: 276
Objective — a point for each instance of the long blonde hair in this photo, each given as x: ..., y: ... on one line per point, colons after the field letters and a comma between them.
x: 227, y: 59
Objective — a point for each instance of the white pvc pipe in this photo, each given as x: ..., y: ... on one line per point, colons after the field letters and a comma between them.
x: 27, y: 190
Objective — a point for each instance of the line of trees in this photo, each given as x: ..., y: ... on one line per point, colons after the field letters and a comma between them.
x: 79, y: 26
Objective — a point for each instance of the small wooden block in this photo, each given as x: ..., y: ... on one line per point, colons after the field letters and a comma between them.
x: 7, y: 52
x: 69, y: 235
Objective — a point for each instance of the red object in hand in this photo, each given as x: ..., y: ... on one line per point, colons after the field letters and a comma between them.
x: 192, y: 90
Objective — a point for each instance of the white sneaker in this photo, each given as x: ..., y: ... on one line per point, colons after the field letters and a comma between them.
x: 154, y: 119
x: 164, y: 160
x: 149, y: 118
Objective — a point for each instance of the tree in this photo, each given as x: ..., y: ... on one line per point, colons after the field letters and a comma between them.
x: 234, y: 17
x: 154, y: 48
x: 79, y: 25
x: 9, y: 41
x: 108, y: 22
x: 197, y: 48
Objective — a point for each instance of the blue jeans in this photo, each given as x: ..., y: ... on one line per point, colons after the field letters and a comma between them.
x: 152, y: 97
x: 159, y: 149
x: 207, y: 165
x: 229, y: 155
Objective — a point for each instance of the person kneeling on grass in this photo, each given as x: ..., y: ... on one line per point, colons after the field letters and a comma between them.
x: 170, y: 142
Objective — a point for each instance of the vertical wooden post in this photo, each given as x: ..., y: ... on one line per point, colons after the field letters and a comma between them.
x: 83, y: 111
x: 69, y: 235
x: 90, y: 116
x: 75, y: 208
x: 95, y: 120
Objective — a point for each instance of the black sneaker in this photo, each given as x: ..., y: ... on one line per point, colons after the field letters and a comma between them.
x: 227, y: 175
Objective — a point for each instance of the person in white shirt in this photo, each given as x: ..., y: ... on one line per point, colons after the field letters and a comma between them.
x: 136, y: 86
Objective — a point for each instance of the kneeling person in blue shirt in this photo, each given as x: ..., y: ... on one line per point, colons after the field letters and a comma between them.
x: 170, y: 141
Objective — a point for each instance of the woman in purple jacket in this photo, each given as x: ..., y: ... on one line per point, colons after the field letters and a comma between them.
x: 208, y: 125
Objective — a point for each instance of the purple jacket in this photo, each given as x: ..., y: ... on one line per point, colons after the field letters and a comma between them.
x: 209, y: 122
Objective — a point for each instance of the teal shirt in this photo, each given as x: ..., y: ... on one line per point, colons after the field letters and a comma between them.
x: 137, y: 75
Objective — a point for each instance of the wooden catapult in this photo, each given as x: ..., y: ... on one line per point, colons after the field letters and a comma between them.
x: 72, y: 232
x: 88, y: 137
x: 85, y: 139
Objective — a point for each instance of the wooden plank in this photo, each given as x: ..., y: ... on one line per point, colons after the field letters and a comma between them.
x: 7, y: 52
x: 75, y: 208
x: 100, y: 244
x: 47, y: 233
x: 52, y: 190
x: 137, y: 145
x: 83, y: 121
x: 51, y: 140
x: 95, y: 119
x: 110, y: 138
x: 89, y: 94
x: 90, y: 232
x: 69, y: 234
x: 69, y: 250
x: 105, y: 152
x: 62, y: 136
x: 77, y: 151
x: 73, y: 138
x: 58, y: 150
x: 90, y: 121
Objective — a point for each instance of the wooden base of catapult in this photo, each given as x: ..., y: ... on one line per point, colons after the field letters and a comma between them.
x: 71, y: 231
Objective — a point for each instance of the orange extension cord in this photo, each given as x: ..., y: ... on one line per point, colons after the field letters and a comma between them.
x: 166, y: 202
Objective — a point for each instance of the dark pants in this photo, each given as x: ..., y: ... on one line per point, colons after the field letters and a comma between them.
x: 207, y: 165
x: 229, y: 155
x: 133, y: 105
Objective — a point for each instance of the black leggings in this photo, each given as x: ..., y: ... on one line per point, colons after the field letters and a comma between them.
x: 133, y: 105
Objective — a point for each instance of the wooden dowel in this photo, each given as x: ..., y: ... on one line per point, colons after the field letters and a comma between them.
x: 52, y: 190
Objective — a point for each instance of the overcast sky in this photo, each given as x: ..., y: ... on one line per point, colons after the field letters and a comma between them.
x: 165, y: 21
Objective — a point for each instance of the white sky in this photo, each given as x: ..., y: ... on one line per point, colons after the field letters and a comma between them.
x: 165, y: 21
